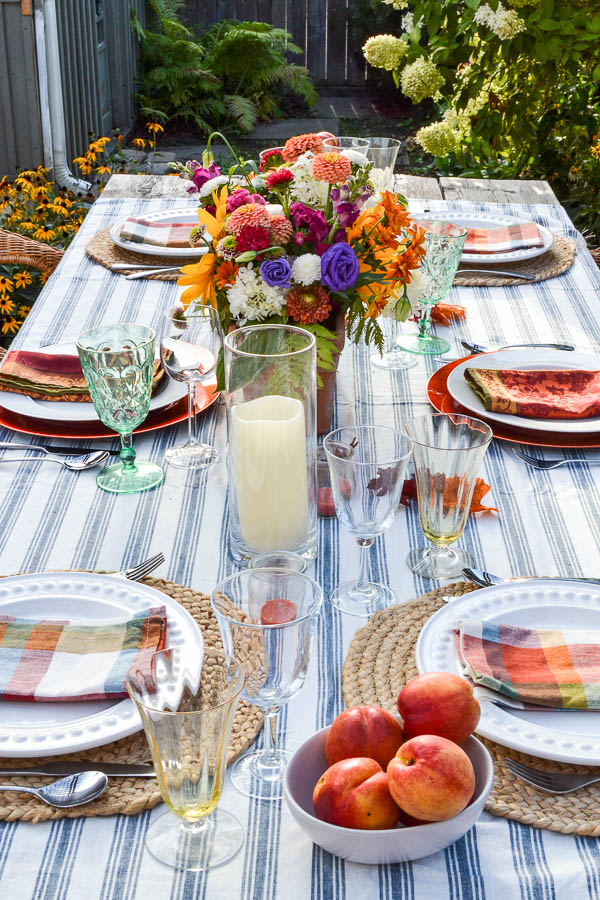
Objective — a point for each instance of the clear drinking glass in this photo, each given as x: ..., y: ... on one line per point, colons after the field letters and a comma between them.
x: 447, y: 453
x: 444, y: 244
x: 118, y: 365
x: 395, y: 357
x: 190, y: 343
x: 271, y: 395
x: 267, y: 618
x: 187, y: 703
x: 382, y: 152
x: 367, y: 465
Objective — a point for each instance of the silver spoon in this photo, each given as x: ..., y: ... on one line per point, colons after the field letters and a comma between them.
x: 74, y: 790
x: 76, y: 464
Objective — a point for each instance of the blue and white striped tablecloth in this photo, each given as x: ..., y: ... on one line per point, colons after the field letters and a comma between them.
x: 547, y: 523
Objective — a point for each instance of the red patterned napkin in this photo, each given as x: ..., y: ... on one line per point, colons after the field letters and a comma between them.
x: 159, y: 234
x: 503, y: 239
x: 553, y: 394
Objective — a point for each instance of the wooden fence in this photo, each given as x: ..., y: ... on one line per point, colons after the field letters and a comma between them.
x: 322, y: 28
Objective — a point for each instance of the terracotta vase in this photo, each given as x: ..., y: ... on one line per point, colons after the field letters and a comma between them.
x: 326, y: 393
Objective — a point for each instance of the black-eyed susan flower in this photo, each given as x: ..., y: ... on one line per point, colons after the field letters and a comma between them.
x: 10, y: 326
x: 7, y: 305
x: 22, y: 278
x: 7, y: 286
x: 44, y: 233
x: 154, y: 127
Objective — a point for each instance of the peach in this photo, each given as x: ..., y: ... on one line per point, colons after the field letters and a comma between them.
x: 354, y: 793
x: 438, y: 703
x: 431, y: 778
x: 363, y: 731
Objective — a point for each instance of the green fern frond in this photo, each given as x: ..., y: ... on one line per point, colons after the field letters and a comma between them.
x: 242, y: 110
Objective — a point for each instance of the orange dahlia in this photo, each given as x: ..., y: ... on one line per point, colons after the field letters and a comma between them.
x: 249, y: 214
x: 308, y: 304
x: 281, y: 229
x: 331, y: 167
x: 300, y: 144
x: 226, y: 274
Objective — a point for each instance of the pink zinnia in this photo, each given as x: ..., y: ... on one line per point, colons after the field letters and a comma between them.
x: 331, y: 167
x: 281, y: 229
x: 248, y: 214
x: 298, y: 145
x: 252, y: 237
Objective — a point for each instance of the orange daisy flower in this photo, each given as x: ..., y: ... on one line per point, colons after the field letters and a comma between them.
x: 226, y: 274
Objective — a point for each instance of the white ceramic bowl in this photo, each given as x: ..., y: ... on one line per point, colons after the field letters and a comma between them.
x: 389, y: 845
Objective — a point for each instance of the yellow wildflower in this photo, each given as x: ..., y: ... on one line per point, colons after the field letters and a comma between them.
x: 10, y: 326
x: 44, y: 233
x: 104, y: 170
x: 154, y: 127
x: 7, y: 286
x: 6, y: 305
x: 23, y: 278
x: 140, y: 143
x: 23, y: 311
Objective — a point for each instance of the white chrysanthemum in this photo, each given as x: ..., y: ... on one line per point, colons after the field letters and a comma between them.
x: 421, y: 79
x: 251, y: 298
x: 216, y: 182
x: 419, y: 287
x: 355, y: 156
x: 306, y: 269
x: 385, y: 51
x: 305, y: 186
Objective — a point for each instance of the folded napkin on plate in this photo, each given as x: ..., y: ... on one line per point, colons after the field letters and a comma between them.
x: 547, y: 667
x: 45, y: 660
x: 159, y: 234
x: 503, y: 239
x: 551, y: 394
x: 48, y: 376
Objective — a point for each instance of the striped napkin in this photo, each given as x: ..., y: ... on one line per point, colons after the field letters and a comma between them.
x: 503, y: 239
x: 546, y: 667
x: 551, y: 394
x: 59, y: 660
x: 159, y: 234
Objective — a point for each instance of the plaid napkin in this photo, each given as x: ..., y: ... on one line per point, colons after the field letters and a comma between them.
x: 45, y: 660
x: 546, y: 667
x: 503, y: 239
x: 50, y: 376
x: 553, y: 394
x: 159, y: 234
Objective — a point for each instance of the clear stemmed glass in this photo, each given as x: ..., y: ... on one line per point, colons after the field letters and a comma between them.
x: 444, y: 244
x: 394, y: 357
x: 447, y: 453
x: 187, y: 703
x: 367, y: 465
x: 190, y: 343
x: 118, y: 365
x: 267, y: 618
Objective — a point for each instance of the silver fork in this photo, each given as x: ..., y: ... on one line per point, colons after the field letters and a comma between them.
x: 143, y: 568
x: 552, y: 782
x: 551, y: 463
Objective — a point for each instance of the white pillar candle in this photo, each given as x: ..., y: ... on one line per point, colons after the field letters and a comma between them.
x: 268, y: 446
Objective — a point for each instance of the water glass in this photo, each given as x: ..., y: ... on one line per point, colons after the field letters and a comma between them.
x: 187, y: 703
x: 367, y: 465
x: 395, y: 357
x: 382, y: 152
x: 267, y: 618
x: 447, y: 453
x: 118, y: 364
x: 190, y: 343
x: 444, y: 244
x: 339, y: 144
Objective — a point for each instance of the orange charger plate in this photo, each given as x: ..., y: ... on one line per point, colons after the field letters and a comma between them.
x: 158, y: 418
x: 441, y: 399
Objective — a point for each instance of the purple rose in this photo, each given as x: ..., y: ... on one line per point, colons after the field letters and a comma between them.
x: 311, y: 219
x: 339, y: 267
x: 276, y: 272
x: 202, y: 175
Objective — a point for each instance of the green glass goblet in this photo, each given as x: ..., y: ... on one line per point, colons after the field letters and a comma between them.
x: 444, y: 244
x: 118, y: 365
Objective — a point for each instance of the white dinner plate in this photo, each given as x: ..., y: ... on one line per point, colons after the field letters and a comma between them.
x: 464, y: 394
x: 490, y: 220
x: 166, y: 215
x: 169, y: 392
x: 45, y: 729
x: 567, y: 736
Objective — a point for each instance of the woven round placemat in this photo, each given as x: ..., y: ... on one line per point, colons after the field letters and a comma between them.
x: 127, y: 795
x: 555, y: 261
x: 103, y: 250
x: 381, y: 659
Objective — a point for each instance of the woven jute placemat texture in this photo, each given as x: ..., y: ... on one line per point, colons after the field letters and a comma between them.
x: 103, y: 250
x: 127, y: 795
x: 381, y: 659
x: 555, y: 261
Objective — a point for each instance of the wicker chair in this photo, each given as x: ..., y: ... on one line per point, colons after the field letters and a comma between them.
x: 14, y: 248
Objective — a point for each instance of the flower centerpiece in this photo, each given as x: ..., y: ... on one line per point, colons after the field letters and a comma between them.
x: 305, y: 239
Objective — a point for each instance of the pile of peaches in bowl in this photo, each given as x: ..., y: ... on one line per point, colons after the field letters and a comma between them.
x: 374, y: 788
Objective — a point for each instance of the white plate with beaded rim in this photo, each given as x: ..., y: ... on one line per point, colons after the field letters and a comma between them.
x: 566, y: 736
x: 187, y: 216
x: 46, y: 729
x: 491, y: 220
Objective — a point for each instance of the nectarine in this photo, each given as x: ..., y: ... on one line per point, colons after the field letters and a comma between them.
x: 438, y: 703
x: 354, y: 793
x: 363, y: 731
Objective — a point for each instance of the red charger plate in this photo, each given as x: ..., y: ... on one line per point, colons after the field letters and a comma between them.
x: 158, y: 418
x: 441, y: 399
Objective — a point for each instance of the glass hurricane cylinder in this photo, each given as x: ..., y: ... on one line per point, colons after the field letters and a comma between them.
x: 271, y: 389
x: 382, y: 152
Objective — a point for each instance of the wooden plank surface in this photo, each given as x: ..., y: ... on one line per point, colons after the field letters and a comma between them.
x: 491, y: 190
x: 418, y: 187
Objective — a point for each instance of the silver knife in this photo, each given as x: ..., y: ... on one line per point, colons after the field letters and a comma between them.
x: 73, y: 768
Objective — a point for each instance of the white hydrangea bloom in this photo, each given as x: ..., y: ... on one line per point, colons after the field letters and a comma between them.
x: 251, y: 298
x: 306, y: 269
x: 397, y: 4
x: 305, y: 186
x: 421, y: 79
x: 505, y: 23
x: 408, y: 21
x: 485, y: 15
